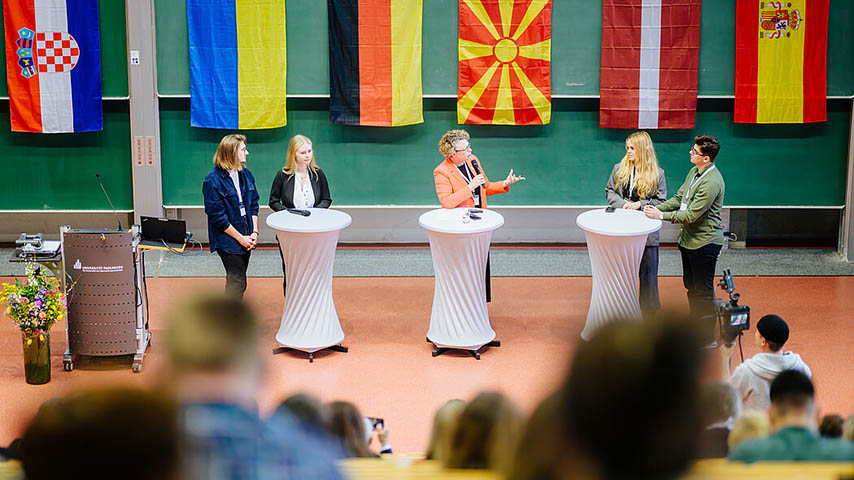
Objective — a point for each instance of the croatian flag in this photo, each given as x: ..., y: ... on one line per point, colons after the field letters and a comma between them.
x: 53, y: 65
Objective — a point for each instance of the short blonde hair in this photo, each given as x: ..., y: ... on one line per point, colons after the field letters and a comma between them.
x: 291, y: 160
x: 226, y: 153
x: 212, y: 333
x: 751, y: 424
x: 446, y: 143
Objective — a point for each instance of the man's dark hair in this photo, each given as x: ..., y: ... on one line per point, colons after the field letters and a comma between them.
x: 708, y: 145
x: 633, y: 398
x: 831, y: 426
x: 791, y: 389
x: 305, y: 409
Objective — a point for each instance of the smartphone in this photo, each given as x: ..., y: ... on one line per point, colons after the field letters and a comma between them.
x: 376, y: 422
x: 609, y: 209
x: 475, y: 210
x: 474, y: 216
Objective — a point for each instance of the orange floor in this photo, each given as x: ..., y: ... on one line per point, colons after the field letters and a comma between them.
x: 389, y: 371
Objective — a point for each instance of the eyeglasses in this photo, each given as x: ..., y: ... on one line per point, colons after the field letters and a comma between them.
x: 468, y: 147
x: 695, y: 153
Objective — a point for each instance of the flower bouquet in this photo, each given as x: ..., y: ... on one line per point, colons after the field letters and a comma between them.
x: 35, y: 304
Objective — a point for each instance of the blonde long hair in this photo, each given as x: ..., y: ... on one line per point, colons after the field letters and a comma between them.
x: 646, y: 166
x: 291, y: 160
x: 226, y: 153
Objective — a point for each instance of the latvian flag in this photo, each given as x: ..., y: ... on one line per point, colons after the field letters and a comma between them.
x: 650, y: 58
x: 781, y: 61
x: 53, y: 65
x: 237, y: 63
x: 505, y: 62
x: 375, y: 62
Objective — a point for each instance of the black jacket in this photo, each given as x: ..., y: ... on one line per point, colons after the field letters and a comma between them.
x: 282, y: 191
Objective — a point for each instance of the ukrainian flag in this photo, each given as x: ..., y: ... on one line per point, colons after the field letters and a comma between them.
x: 237, y: 63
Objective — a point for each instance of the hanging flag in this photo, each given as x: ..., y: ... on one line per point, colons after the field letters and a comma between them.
x: 375, y: 62
x: 781, y: 61
x: 53, y: 65
x: 649, y: 65
x: 505, y: 62
x: 237, y: 63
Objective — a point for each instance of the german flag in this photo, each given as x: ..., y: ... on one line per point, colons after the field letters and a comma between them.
x: 505, y: 62
x: 781, y: 61
x: 375, y: 62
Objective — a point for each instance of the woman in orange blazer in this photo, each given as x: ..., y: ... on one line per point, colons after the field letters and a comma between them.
x: 458, y: 186
x: 460, y: 181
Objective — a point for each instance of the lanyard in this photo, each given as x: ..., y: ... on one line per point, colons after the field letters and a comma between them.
x: 697, y: 180
x: 631, y: 182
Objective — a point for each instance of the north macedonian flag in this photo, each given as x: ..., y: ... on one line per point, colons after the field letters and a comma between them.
x: 53, y: 65
x: 237, y: 63
x: 505, y: 62
x: 781, y: 61
x: 375, y: 62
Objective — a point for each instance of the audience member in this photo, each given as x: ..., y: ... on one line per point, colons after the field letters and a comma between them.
x: 104, y: 433
x: 749, y: 425
x: 831, y: 426
x: 487, y: 434
x: 306, y: 409
x: 633, y: 398
x: 720, y: 406
x: 545, y: 452
x: 444, y: 425
x: 348, y: 426
x: 752, y: 378
x: 848, y: 428
x: 215, y: 370
x: 792, y: 415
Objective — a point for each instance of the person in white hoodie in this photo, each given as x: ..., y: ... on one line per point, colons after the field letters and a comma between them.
x: 752, y: 379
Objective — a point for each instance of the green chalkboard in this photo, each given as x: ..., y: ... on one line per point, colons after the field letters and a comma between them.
x: 114, y: 57
x: 567, y: 162
x: 57, y: 171
x: 576, y: 42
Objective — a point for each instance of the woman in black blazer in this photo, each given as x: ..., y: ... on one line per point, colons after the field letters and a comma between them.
x: 299, y: 184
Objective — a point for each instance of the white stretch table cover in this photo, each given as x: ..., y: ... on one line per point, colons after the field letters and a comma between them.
x: 615, y: 242
x: 460, y: 318
x: 309, y: 320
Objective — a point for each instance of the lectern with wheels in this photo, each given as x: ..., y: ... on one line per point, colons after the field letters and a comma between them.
x: 107, y: 301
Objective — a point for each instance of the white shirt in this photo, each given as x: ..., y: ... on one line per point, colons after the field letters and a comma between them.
x: 236, y: 180
x: 303, y: 193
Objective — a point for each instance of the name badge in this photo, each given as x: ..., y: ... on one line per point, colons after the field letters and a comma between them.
x: 242, y: 209
x: 476, y: 198
x: 683, y: 206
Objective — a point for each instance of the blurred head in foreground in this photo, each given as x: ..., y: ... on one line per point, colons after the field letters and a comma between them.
x: 444, y: 424
x: 103, y: 433
x: 632, y: 398
x: 487, y: 433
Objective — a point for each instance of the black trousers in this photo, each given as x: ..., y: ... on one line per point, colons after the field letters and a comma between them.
x: 235, y: 272
x: 698, y: 276
x: 648, y: 276
x: 284, y: 276
x: 488, y: 281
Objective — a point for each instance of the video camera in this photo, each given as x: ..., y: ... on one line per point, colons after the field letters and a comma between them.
x: 732, y: 317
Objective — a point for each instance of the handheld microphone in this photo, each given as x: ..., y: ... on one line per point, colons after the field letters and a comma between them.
x: 477, y: 172
x: 98, y: 176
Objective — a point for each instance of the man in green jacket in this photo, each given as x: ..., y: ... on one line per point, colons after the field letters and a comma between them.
x: 796, y: 439
x: 697, y: 208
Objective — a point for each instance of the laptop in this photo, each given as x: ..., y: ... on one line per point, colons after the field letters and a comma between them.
x: 155, y: 231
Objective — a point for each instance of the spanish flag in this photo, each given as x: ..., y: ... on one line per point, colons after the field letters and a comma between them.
x: 375, y: 62
x: 781, y: 61
x: 505, y: 62
x: 237, y: 63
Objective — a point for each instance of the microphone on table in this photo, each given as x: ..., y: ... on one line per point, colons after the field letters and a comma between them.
x: 297, y: 211
x: 115, y: 212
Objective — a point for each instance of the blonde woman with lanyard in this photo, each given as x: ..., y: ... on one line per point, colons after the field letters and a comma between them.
x: 696, y: 207
x: 299, y: 184
x: 635, y: 182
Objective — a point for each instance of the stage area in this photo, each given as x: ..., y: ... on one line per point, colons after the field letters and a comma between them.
x: 390, y: 373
